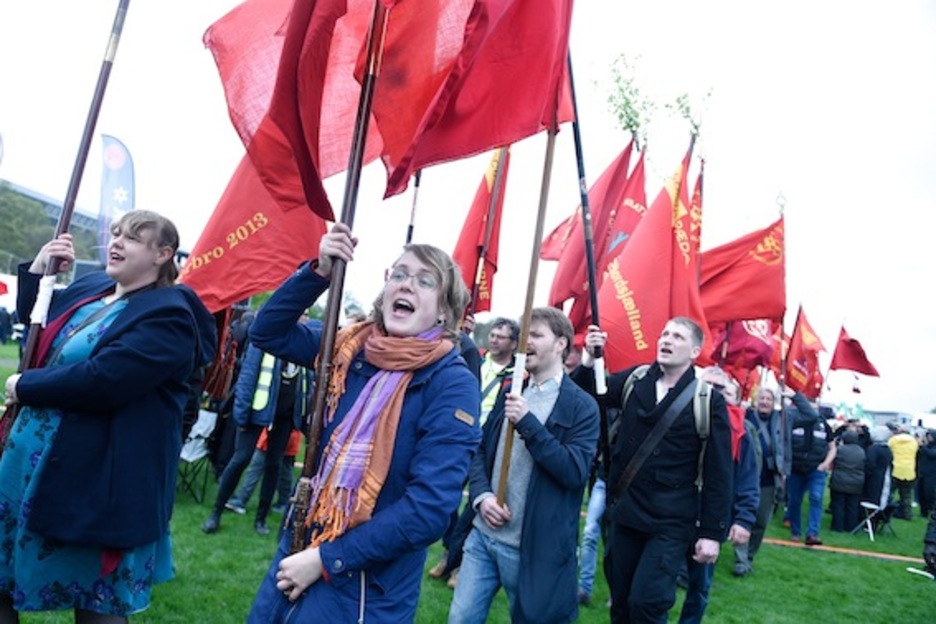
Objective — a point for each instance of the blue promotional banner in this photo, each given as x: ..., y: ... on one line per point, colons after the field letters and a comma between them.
x: 116, y: 189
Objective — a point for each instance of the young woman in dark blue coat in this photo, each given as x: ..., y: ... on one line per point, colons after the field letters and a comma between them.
x: 87, y: 476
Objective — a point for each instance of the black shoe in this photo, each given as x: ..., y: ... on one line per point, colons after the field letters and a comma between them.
x: 212, y: 524
x: 261, y: 528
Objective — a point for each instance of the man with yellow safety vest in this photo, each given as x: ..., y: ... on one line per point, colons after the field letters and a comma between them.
x: 272, y: 394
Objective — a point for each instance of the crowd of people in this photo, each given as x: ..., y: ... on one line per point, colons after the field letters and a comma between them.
x: 414, y: 414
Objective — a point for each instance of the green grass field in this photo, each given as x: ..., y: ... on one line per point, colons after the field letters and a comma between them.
x: 217, y: 576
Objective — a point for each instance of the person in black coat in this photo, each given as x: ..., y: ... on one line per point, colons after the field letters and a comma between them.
x: 878, y: 460
x: 848, y: 476
x: 926, y: 472
x: 662, y: 514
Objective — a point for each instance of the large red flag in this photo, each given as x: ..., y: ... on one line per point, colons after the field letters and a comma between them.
x: 604, y: 199
x: 509, y: 82
x: 471, y: 240
x: 313, y: 50
x: 619, y: 210
x: 746, y: 278
x: 250, y: 245
x: 457, y: 78
x: 781, y: 346
x: 802, y: 365
x: 653, y: 278
x: 850, y: 355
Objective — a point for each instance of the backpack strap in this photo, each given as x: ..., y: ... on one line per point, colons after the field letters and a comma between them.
x: 702, y: 409
x: 636, y: 375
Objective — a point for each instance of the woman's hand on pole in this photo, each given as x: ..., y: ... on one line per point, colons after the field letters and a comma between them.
x: 337, y: 244
x: 60, y: 248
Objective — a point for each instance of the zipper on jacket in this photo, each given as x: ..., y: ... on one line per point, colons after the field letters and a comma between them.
x: 363, y: 594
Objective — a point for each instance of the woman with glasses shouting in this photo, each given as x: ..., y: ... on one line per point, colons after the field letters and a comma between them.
x: 400, y: 427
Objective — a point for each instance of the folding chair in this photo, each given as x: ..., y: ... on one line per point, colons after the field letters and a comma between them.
x: 876, y: 517
x: 194, y: 462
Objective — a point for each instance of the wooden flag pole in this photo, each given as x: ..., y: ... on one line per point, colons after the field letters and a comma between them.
x: 488, y: 230
x: 40, y: 311
x: 375, y: 43
x: 412, y: 217
x: 601, y: 384
x: 520, y: 361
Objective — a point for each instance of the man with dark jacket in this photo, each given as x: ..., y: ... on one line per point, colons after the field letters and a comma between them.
x: 527, y: 543
x: 812, y: 453
x: 775, y: 449
x: 657, y: 510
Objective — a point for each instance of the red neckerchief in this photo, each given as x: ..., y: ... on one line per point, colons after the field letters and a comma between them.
x: 54, y: 326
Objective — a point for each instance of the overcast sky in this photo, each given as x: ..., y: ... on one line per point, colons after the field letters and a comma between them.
x: 830, y: 103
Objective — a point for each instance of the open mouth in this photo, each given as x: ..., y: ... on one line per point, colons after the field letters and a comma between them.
x: 402, y: 306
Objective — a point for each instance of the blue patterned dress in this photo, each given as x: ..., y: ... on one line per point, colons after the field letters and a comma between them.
x: 42, y: 574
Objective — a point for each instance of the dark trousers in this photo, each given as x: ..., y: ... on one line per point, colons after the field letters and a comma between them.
x: 845, y: 511
x: 642, y: 573
x: 277, y: 440
x: 905, y: 492
x: 245, y: 441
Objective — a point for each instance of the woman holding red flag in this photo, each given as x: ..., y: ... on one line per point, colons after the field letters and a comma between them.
x: 400, y: 426
x: 87, y: 477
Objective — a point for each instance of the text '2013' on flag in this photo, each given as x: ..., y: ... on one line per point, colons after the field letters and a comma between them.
x: 480, y: 235
x: 802, y: 364
x: 250, y: 245
x: 458, y: 77
x: 746, y: 278
x: 850, y: 355
x: 654, y: 278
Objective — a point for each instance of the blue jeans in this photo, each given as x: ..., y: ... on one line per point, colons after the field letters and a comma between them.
x: 700, y: 583
x: 254, y: 473
x: 590, y: 536
x: 797, y: 486
x: 487, y: 565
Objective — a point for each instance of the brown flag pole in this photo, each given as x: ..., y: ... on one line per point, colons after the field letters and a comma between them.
x: 37, y: 317
x: 375, y: 43
x: 520, y: 362
x: 488, y: 230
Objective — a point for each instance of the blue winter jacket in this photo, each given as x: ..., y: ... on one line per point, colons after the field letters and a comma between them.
x: 562, y: 451
x: 437, y: 435
x: 110, y: 478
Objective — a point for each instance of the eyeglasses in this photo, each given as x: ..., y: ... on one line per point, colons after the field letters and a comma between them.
x: 424, y: 280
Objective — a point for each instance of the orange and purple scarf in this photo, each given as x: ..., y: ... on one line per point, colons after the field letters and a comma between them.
x: 357, y: 458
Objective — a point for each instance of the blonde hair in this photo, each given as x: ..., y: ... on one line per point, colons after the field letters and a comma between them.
x: 164, y: 235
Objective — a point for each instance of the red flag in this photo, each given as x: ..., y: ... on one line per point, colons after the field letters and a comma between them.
x: 745, y: 278
x: 314, y: 52
x: 457, y: 78
x: 509, y: 82
x: 250, y: 245
x: 604, y: 199
x: 620, y: 205
x: 471, y: 240
x: 742, y: 345
x: 802, y: 366
x: 850, y: 355
x: 781, y: 346
x: 653, y: 279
